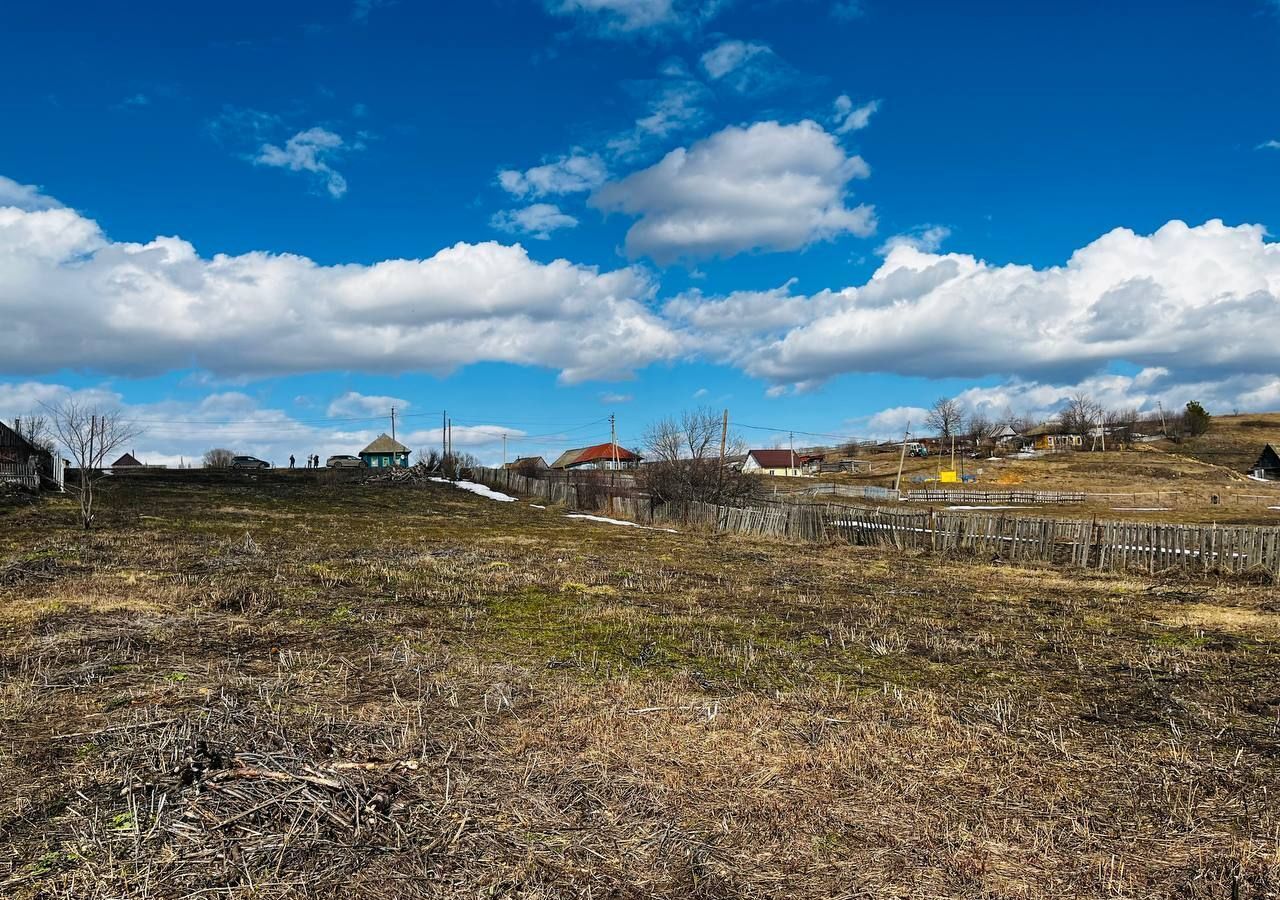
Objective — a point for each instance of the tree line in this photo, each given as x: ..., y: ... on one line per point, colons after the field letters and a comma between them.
x: 1082, y: 414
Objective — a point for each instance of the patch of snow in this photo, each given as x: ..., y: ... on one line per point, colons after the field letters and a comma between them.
x: 1141, y: 508
x: 536, y: 506
x: 984, y: 507
x: 617, y: 522
x: 1260, y: 478
x: 478, y: 489
x: 1273, y: 507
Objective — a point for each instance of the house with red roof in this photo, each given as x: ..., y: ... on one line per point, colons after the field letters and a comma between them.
x: 600, y: 456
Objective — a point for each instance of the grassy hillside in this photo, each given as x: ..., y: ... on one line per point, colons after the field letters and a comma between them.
x: 1234, y: 441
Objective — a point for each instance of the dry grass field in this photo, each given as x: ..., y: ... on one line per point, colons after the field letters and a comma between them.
x: 275, y: 686
x: 1163, y: 481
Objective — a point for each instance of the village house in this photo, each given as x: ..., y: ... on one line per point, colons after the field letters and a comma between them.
x: 599, y: 456
x: 774, y: 462
x: 1051, y: 439
x: 1267, y: 467
x: 385, y: 452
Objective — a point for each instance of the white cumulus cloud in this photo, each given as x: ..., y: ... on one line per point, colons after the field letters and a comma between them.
x: 313, y: 150
x: 730, y: 55
x: 849, y: 118
x: 767, y: 186
x: 24, y: 196
x: 748, y: 67
x: 573, y: 173
x: 537, y: 221
x: 927, y: 238
x: 1195, y: 300
x: 73, y: 298
x: 354, y: 403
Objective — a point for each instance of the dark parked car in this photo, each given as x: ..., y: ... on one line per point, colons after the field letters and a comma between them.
x: 343, y: 461
x: 249, y: 462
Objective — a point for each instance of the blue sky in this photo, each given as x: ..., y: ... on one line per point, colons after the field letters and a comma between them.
x: 821, y: 214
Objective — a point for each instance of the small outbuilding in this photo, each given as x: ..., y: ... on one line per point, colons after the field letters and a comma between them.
x: 1006, y: 435
x: 127, y: 461
x: 385, y: 452
x: 1267, y: 467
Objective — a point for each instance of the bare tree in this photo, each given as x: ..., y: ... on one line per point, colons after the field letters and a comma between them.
x: 684, y: 459
x: 1019, y: 422
x: 1081, y: 414
x: 451, y: 466
x: 980, y: 429
x: 945, y: 417
x: 218, y: 458
x: 1121, y: 425
x: 90, y: 435
x: 35, y: 430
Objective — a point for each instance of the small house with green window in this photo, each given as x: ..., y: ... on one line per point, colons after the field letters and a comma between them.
x: 385, y: 452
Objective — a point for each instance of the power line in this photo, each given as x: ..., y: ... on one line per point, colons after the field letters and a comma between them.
x: 785, y: 429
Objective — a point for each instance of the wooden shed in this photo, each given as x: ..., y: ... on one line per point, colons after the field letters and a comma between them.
x: 24, y: 463
x: 1268, y: 465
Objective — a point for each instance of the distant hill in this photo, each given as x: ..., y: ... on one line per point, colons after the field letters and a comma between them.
x: 1234, y: 441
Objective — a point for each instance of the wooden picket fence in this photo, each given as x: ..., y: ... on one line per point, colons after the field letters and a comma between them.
x: 967, y: 496
x: 1112, y: 546
x: 26, y: 475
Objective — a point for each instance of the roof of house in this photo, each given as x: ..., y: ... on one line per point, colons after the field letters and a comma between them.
x: 567, y: 458
x: 1046, y: 428
x: 384, y: 443
x: 127, y: 459
x: 1006, y: 431
x: 525, y: 460
x: 10, y: 438
x: 775, y: 459
x: 1269, y: 459
x: 598, y: 453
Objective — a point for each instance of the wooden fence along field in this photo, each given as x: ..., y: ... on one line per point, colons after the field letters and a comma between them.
x: 1114, y: 546
x: 1043, y: 498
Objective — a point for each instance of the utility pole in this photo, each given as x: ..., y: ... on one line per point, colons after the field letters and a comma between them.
x: 1164, y: 428
x: 724, y: 432
x: 613, y: 439
x: 393, y: 423
x: 792, y: 439
x: 504, y: 450
x: 444, y: 438
x: 897, y: 482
